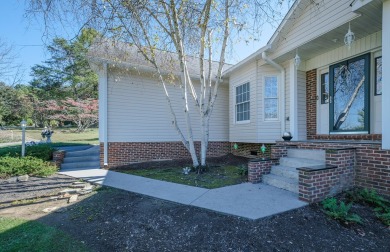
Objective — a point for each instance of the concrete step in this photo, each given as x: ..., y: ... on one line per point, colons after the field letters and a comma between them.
x: 82, y: 159
x: 285, y: 171
x: 75, y: 148
x: 95, y: 164
x: 308, y: 154
x: 88, y: 152
x: 281, y: 182
x: 299, y: 162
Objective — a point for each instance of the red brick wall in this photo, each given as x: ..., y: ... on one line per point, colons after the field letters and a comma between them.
x: 244, y: 150
x: 311, y: 103
x: 258, y: 168
x: 122, y: 153
x: 371, y: 163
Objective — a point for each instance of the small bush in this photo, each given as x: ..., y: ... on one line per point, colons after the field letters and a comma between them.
x: 340, y: 211
x: 373, y: 199
x: 41, y: 151
x: 15, y: 166
x: 384, y: 217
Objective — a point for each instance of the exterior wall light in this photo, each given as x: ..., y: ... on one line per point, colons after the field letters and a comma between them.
x: 349, y: 38
x: 297, y: 59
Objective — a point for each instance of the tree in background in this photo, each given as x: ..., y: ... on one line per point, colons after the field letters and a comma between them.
x: 83, y: 113
x: 67, y: 73
x: 10, y: 71
x: 15, y: 104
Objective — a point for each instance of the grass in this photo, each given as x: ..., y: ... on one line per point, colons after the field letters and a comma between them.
x: 62, y: 135
x: 214, y: 177
x: 23, y: 235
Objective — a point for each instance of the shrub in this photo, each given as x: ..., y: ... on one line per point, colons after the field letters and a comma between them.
x: 384, y: 217
x: 373, y: 199
x: 15, y: 166
x: 41, y: 151
x: 340, y: 211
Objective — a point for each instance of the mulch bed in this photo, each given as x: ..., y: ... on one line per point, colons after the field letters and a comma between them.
x: 228, y: 159
x: 116, y: 220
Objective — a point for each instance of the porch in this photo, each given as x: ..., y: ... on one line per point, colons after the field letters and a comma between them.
x: 347, y: 164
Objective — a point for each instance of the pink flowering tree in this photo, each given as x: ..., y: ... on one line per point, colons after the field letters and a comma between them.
x: 83, y: 113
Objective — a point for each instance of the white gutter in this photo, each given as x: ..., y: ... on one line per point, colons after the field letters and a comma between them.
x: 248, y: 59
x: 282, y: 84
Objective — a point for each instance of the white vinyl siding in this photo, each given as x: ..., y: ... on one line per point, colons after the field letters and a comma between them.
x: 271, y: 98
x: 243, y: 132
x: 138, y: 110
x: 315, y: 20
x: 243, y: 103
x: 370, y: 43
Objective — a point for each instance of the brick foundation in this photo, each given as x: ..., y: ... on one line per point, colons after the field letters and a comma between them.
x: 371, y: 163
x: 122, y: 153
x: 251, y: 150
x: 259, y: 167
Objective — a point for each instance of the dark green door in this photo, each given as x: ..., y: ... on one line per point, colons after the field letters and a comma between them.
x: 349, y: 96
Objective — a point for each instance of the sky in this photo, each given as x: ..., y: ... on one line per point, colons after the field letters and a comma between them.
x: 28, y: 40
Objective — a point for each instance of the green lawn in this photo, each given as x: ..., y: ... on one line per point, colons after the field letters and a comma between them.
x: 62, y: 135
x: 214, y: 177
x: 23, y: 235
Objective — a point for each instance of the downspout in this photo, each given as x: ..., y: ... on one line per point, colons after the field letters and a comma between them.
x: 282, y: 84
x: 105, y: 115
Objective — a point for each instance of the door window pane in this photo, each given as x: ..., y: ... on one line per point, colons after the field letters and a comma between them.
x: 350, y: 80
x: 378, y: 76
x: 325, y: 88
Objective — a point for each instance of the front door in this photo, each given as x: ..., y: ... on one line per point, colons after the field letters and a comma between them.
x: 349, y: 96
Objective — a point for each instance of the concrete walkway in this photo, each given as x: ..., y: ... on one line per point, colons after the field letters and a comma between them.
x: 252, y: 201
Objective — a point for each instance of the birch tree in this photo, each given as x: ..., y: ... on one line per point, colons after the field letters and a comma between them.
x: 205, y: 29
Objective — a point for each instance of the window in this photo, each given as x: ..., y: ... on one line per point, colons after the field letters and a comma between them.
x: 325, y: 88
x: 242, y: 103
x: 378, y: 76
x: 270, y: 98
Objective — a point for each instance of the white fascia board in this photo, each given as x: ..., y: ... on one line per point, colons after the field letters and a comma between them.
x: 250, y: 58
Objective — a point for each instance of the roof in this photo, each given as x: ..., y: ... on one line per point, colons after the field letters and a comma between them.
x: 126, y: 55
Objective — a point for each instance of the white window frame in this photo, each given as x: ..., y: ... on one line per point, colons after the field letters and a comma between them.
x: 235, y: 103
x: 278, y: 98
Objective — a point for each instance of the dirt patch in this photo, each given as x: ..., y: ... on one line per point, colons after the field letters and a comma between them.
x: 229, y: 159
x: 116, y: 220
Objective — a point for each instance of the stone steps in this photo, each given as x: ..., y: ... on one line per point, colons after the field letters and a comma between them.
x: 82, y: 159
x: 306, y: 153
x: 288, y: 184
x: 285, y: 171
x: 285, y: 175
x: 299, y: 162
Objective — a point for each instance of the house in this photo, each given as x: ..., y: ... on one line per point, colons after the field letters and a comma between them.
x: 319, y: 77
